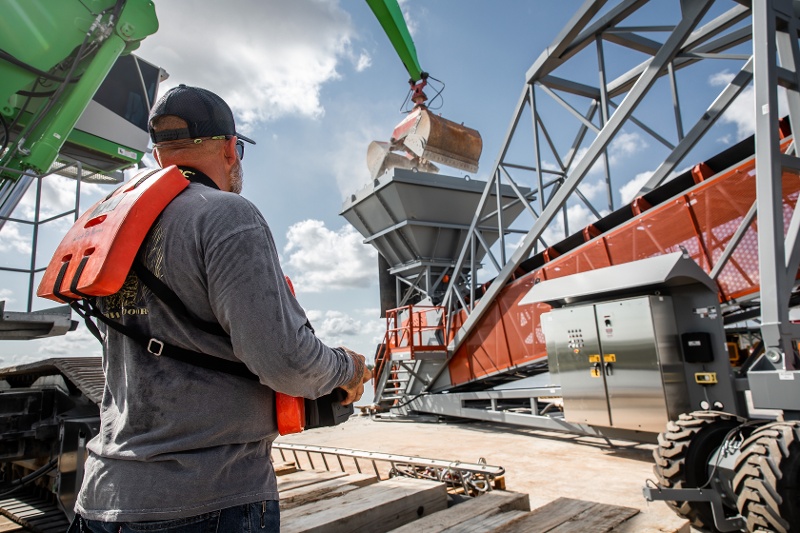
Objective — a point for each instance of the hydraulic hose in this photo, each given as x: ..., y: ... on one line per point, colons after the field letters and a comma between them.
x: 33, y: 476
x: 30, y: 68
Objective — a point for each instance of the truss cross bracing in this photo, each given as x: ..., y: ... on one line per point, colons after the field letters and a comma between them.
x: 627, y: 75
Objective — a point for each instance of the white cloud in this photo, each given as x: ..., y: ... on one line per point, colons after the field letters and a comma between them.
x: 578, y: 217
x: 741, y: 112
x: 58, y: 196
x: 12, y: 359
x: 319, y: 259
x: 628, y: 191
x: 363, y: 62
x: 336, y: 328
x: 78, y: 343
x: 625, y: 145
x: 12, y: 240
x: 267, y: 59
x: 593, y: 189
x: 7, y: 295
x: 411, y: 22
x: 347, y: 159
x: 338, y: 323
x: 720, y: 79
x: 622, y: 147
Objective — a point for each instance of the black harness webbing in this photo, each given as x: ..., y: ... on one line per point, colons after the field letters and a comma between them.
x: 158, y: 347
x: 168, y: 296
x: 87, y: 309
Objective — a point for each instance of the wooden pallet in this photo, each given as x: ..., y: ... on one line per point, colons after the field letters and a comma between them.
x: 567, y: 515
x: 483, y: 513
x: 336, y: 502
x: 33, y: 513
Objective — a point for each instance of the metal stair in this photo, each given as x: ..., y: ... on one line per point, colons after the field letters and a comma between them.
x: 392, y: 379
x: 397, y: 378
x: 411, y: 353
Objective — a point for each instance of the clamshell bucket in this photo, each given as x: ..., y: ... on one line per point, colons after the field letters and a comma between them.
x: 434, y: 138
x: 424, y: 139
x: 380, y: 158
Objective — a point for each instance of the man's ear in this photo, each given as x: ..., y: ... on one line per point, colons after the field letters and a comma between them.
x: 230, y: 151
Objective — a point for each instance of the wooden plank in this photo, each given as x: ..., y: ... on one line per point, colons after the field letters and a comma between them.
x: 318, y: 493
x: 324, y: 490
x: 28, y: 515
x: 567, y: 515
x: 282, y: 469
x: 643, y: 523
x: 36, y: 511
x: 601, y: 518
x: 7, y: 525
x: 301, y: 478
x: 487, y: 504
x: 375, y: 509
x: 53, y: 522
x: 547, y: 517
x: 14, y: 506
x: 486, y: 524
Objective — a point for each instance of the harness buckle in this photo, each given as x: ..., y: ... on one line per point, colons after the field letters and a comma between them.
x: 155, y: 347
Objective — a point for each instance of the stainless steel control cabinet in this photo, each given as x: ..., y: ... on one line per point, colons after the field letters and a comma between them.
x: 619, y: 362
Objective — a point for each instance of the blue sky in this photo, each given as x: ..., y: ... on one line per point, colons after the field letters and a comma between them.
x: 313, y: 82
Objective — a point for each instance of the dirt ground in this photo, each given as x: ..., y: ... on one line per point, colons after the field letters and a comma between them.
x: 545, y: 465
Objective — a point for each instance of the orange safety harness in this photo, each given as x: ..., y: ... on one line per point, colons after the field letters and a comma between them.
x: 96, y: 256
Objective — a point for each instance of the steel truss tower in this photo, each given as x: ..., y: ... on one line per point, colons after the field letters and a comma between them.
x: 624, y: 68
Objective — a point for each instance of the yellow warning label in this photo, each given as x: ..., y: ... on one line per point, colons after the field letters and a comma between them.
x: 610, y: 358
x: 594, y: 358
x: 705, y: 378
x: 595, y: 372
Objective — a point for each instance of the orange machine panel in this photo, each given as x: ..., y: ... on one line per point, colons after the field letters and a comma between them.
x: 95, y: 256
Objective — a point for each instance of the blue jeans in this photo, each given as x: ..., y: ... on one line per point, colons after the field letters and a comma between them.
x: 261, y: 517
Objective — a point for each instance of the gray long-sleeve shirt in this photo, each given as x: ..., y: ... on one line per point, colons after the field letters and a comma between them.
x: 177, y: 440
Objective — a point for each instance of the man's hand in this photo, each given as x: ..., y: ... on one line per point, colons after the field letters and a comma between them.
x: 355, y: 388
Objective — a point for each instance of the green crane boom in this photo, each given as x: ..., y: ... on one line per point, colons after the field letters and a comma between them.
x: 394, y: 25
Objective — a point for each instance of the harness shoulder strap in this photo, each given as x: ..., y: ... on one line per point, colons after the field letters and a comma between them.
x: 161, y: 348
x: 168, y: 296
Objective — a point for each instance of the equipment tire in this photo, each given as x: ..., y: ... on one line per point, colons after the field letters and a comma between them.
x: 767, y: 480
x: 682, y: 459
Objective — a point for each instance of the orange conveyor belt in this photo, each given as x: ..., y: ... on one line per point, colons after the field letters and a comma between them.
x: 700, y: 219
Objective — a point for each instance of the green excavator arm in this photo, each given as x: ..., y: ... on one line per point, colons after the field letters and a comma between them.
x: 72, y: 45
x: 394, y: 25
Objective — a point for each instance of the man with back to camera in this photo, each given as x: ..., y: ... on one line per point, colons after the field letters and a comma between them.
x: 181, y: 448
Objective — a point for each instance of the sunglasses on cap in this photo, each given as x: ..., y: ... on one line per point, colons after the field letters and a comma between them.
x: 198, y: 140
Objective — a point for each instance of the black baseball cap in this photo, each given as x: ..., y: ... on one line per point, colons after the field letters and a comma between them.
x: 205, y: 113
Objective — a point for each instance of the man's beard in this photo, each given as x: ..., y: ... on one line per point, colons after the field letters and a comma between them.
x: 237, y: 177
